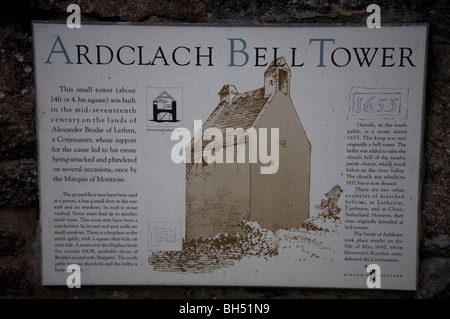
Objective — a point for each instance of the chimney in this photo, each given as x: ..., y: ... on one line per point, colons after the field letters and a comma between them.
x: 277, y: 78
x: 227, y: 93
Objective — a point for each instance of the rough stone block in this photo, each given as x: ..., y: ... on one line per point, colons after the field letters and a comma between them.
x: 13, y: 282
x: 18, y: 184
x: 17, y: 111
x: 11, y: 244
x: 434, y: 279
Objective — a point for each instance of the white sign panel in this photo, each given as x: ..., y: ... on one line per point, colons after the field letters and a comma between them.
x: 226, y: 155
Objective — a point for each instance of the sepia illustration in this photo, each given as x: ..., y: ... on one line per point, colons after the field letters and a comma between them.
x: 233, y: 211
x: 315, y: 238
x: 219, y: 196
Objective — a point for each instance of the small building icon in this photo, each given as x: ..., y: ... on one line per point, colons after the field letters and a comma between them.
x: 164, y: 108
x: 220, y: 195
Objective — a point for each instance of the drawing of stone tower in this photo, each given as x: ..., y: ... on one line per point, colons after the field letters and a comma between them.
x: 164, y: 108
x: 219, y: 196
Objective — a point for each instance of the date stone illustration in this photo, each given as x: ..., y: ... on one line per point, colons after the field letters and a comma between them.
x: 369, y: 103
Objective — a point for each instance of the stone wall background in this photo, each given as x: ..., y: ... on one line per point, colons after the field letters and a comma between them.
x: 19, y: 213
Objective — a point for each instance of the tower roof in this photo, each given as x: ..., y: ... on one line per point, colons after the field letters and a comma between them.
x: 164, y: 95
x: 279, y: 63
x: 243, y: 109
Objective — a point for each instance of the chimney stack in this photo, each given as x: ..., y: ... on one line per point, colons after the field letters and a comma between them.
x: 227, y: 93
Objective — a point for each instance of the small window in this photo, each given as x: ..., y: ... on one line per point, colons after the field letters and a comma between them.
x: 283, y: 81
x: 161, y: 105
